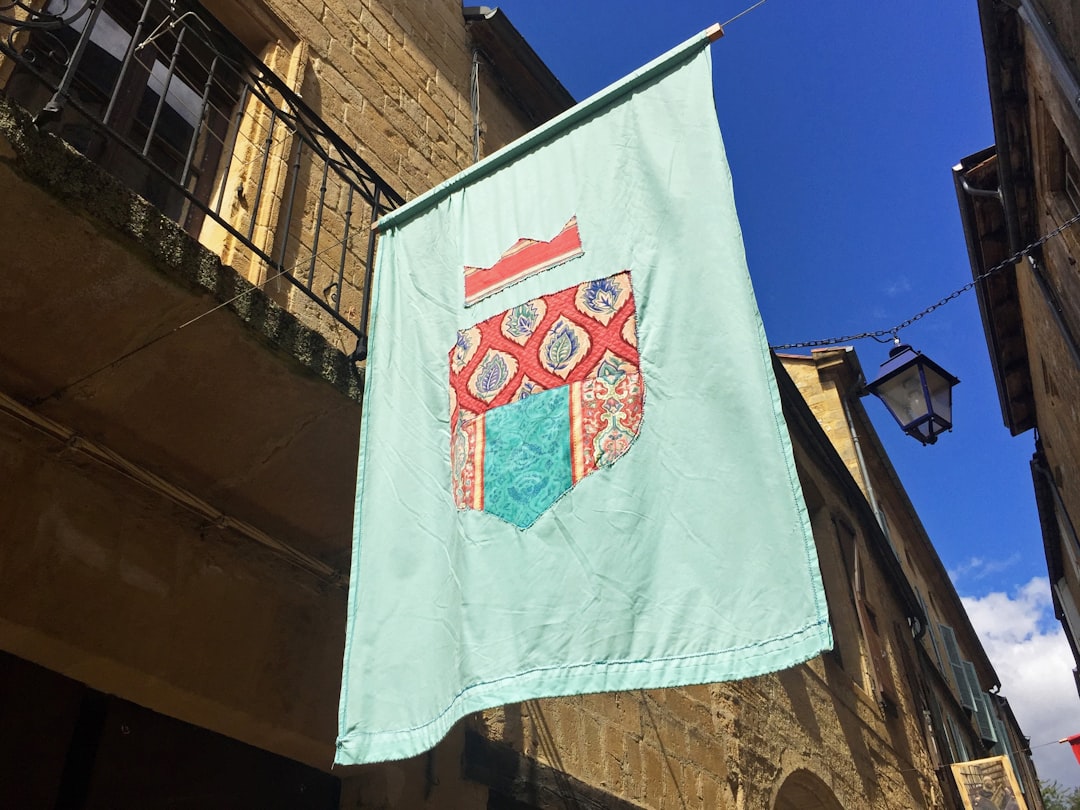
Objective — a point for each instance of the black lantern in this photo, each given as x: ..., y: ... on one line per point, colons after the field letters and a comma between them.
x: 917, y: 392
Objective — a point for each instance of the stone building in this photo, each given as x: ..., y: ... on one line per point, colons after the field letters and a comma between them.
x: 1011, y: 196
x: 188, y: 192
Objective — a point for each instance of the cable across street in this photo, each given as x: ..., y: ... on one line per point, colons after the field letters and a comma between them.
x: 886, y: 335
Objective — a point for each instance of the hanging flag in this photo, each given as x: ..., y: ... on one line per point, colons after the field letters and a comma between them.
x: 574, y: 471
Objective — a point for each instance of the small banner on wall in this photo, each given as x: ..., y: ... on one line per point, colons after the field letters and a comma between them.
x: 988, y: 784
x: 574, y: 474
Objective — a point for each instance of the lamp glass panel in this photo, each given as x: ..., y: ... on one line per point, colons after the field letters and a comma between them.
x: 940, y: 395
x: 903, y: 395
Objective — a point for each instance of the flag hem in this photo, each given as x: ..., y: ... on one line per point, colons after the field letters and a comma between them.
x: 354, y: 570
x: 359, y: 747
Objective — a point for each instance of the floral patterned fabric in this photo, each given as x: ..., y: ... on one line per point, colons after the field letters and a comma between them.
x: 582, y: 339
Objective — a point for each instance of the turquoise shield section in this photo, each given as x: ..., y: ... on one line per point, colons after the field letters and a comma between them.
x: 527, y: 456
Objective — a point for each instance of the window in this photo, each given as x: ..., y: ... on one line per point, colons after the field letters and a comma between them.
x: 1004, y: 743
x: 883, y: 522
x: 1059, y: 174
x: 1068, y: 607
x: 956, y: 741
x: 941, y: 733
x: 837, y: 572
x: 970, y: 692
x: 1069, y: 177
x: 1063, y: 546
x: 982, y: 708
x: 165, y: 90
x: 206, y: 123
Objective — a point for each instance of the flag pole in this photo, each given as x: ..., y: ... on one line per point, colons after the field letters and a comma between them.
x: 714, y: 32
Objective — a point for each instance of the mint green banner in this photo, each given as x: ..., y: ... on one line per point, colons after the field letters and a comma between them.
x: 583, y: 481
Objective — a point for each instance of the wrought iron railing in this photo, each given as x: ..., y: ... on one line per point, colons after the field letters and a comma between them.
x: 165, y: 97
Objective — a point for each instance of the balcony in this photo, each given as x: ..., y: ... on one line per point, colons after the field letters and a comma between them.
x: 165, y: 98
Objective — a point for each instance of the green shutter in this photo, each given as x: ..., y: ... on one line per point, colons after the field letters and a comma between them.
x: 982, y: 710
x: 956, y: 662
x: 930, y: 632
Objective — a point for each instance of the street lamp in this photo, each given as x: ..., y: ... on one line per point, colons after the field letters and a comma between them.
x: 917, y: 392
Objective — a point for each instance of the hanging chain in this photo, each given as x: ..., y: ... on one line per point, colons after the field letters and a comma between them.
x: 879, y: 334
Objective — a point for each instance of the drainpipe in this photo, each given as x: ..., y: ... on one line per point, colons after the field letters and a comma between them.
x: 474, y: 103
x: 981, y: 192
x: 870, y: 496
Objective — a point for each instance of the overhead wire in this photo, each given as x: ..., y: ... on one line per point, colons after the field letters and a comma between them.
x: 174, y: 492
x: 742, y: 13
x: 221, y: 305
x: 884, y: 335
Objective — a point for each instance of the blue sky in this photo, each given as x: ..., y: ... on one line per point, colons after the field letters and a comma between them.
x: 842, y: 122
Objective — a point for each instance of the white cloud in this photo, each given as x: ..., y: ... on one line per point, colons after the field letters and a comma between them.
x: 980, y: 568
x: 899, y: 286
x: 1027, y: 646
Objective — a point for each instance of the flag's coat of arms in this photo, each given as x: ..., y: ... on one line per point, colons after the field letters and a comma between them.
x: 542, y: 395
x: 574, y: 470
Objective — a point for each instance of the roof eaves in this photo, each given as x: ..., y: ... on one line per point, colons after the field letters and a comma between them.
x: 982, y: 216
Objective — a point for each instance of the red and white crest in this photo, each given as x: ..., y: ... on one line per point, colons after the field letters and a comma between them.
x: 546, y: 392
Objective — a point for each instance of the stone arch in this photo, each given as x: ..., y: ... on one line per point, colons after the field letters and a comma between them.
x: 803, y: 790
